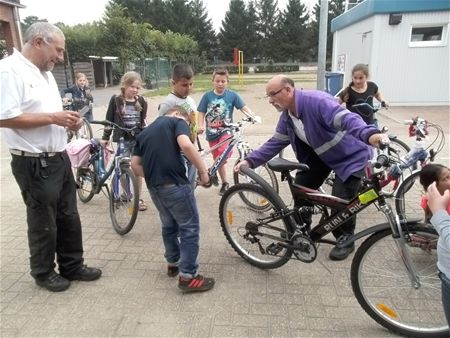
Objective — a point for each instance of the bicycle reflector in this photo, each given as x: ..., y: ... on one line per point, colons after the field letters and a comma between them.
x: 230, y: 217
x: 387, y: 310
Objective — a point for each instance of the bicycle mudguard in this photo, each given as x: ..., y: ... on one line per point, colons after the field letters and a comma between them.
x: 371, y: 230
x: 262, y: 182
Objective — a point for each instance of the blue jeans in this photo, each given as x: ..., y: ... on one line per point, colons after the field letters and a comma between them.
x: 191, y: 172
x: 445, y: 295
x: 180, y: 225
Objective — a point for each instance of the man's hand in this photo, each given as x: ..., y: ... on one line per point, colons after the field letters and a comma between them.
x: 238, y: 166
x: 68, y: 119
x: 376, y: 139
x: 436, y: 201
x: 203, y: 178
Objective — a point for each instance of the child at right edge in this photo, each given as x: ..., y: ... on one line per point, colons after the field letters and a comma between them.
x: 435, y: 178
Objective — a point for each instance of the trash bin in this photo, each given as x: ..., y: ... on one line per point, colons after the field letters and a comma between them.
x: 333, y: 82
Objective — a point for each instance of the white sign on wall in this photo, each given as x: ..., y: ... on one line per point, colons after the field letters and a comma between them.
x: 341, y: 63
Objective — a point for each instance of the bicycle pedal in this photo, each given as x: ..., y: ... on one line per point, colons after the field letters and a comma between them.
x: 215, y: 180
x: 273, y: 249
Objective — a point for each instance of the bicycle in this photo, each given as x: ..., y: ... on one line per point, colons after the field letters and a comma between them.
x: 396, y: 150
x: 86, y: 130
x: 123, y: 193
x: 420, y: 155
x: 393, y: 273
x: 235, y: 138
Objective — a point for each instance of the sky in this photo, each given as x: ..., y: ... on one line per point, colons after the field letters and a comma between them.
x: 72, y: 12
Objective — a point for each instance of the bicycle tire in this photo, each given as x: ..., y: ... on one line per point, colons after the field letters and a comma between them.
x: 265, y: 172
x: 124, y: 201
x: 233, y: 213
x: 85, y: 179
x: 382, y: 287
x: 408, y: 198
x: 85, y: 131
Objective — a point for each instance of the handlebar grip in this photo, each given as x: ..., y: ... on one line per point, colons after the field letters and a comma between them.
x: 382, y: 161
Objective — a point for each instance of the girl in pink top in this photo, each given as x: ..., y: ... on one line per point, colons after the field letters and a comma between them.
x: 429, y: 174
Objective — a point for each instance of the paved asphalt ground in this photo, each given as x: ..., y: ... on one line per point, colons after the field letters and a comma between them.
x: 135, y: 298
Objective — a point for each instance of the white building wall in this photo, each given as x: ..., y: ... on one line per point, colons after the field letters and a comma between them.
x: 405, y: 75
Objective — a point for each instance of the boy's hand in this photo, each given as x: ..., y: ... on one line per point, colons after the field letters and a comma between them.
x: 200, y: 130
x: 203, y: 178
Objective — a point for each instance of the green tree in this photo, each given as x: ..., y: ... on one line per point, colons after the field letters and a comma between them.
x: 120, y: 36
x: 203, y: 31
x: 234, y: 28
x: 292, y: 35
x: 252, y: 38
x: 28, y: 21
x: 268, y: 18
x: 82, y: 40
x: 335, y: 8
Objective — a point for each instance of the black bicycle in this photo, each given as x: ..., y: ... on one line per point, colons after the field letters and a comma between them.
x: 393, y: 274
x: 123, y: 194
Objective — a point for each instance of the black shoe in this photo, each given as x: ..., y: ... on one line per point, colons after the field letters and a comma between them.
x: 339, y: 253
x: 172, y: 270
x: 84, y: 273
x: 224, y: 188
x: 53, y: 282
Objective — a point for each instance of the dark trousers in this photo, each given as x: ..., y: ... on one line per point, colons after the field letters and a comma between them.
x: 49, y: 192
x: 314, y: 178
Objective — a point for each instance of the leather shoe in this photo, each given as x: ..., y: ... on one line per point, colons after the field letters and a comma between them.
x: 339, y: 253
x: 53, y: 282
x: 84, y: 273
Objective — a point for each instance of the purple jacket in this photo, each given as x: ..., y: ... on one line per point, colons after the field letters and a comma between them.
x: 338, y: 136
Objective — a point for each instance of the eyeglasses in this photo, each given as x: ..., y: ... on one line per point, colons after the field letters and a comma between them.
x: 273, y: 94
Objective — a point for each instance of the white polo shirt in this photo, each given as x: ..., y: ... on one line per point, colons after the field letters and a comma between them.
x: 24, y: 89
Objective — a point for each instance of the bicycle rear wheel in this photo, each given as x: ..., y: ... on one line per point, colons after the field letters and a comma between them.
x: 267, y: 174
x: 384, y: 290
x: 124, y: 201
x: 85, y: 179
x: 408, y: 199
x: 254, y: 234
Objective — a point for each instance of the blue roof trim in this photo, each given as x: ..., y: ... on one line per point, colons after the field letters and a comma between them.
x: 368, y: 8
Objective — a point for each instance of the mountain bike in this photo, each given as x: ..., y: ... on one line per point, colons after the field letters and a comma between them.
x: 396, y: 150
x: 235, y: 138
x: 393, y: 274
x: 123, y: 192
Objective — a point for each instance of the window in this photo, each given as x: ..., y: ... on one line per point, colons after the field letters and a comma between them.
x: 428, y: 36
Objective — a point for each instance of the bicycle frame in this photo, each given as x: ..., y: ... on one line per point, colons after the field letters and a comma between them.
x: 235, y: 138
x: 371, y: 194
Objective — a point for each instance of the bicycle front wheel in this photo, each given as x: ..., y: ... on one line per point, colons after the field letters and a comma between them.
x: 408, y: 199
x: 385, y: 291
x: 254, y: 234
x: 85, y: 131
x: 124, y: 201
x: 85, y: 179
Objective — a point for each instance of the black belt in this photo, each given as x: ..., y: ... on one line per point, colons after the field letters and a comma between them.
x: 28, y: 154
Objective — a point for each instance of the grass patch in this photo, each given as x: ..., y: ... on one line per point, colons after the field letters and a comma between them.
x: 202, y: 82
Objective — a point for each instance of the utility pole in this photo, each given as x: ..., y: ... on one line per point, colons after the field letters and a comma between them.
x: 322, y: 50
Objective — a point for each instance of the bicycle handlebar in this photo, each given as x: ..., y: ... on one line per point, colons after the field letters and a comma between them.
x: 106, y: 123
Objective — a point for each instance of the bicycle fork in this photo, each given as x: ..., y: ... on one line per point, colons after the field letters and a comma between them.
x: 397, y: 234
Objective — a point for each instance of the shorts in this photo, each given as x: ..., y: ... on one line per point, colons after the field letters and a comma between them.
x: 217, y: 152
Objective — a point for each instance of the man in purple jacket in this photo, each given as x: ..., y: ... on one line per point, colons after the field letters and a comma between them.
x: 326, y: 137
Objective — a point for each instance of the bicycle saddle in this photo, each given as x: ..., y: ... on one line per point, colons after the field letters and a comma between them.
x: 280, y: 164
